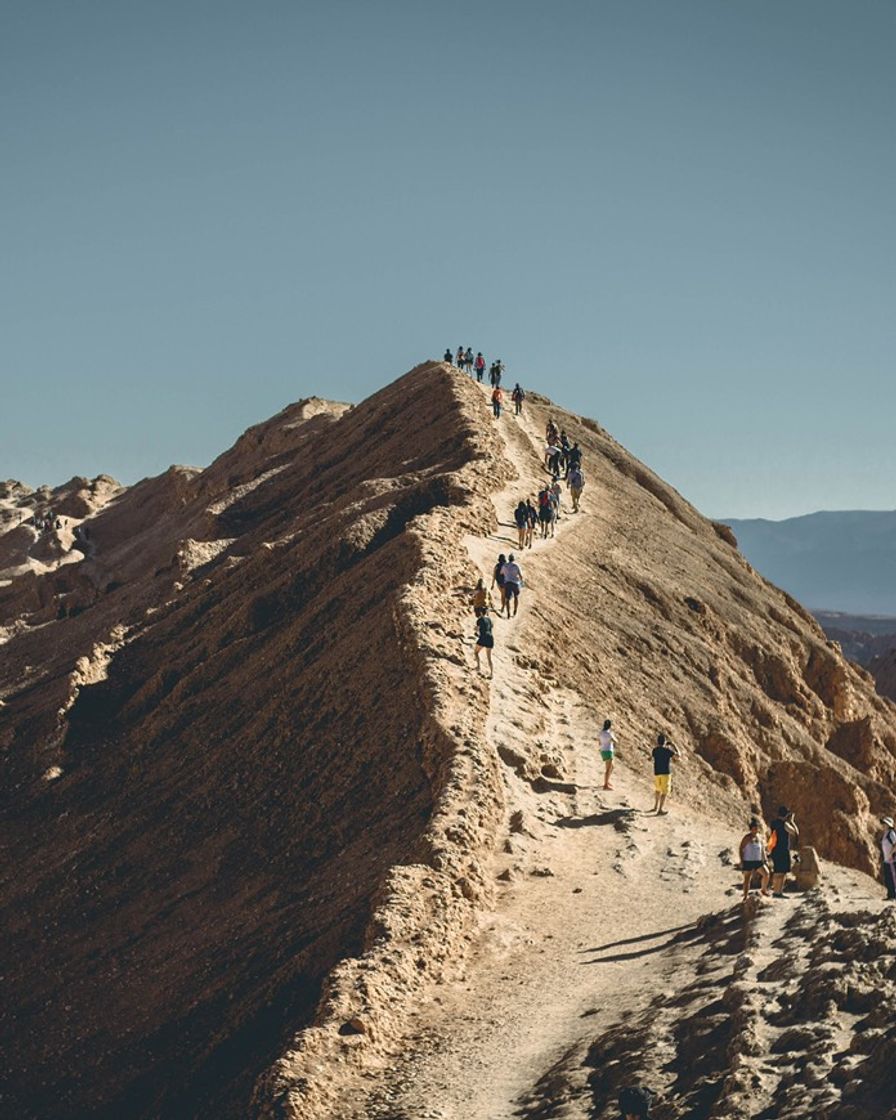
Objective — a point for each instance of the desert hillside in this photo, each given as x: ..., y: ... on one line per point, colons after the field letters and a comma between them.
x: 264, y: 826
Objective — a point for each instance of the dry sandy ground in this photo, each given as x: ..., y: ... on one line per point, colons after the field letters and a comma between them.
x: 604, y: 909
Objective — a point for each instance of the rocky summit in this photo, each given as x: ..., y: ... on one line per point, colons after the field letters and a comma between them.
x: 272, y: 847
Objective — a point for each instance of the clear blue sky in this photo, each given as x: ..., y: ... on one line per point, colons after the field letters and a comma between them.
x: 676, y: 217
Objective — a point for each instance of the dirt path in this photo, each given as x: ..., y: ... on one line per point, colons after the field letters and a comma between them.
x: 594, y: 888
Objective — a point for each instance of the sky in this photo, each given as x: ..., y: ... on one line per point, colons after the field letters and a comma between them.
x: 676, y: 218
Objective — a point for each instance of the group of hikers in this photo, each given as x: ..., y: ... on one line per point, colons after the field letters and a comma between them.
x: 541, y: 510
x: 475, y: 367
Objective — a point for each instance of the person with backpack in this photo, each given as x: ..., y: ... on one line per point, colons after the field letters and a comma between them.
x: 497, y: 401
x: 783, y: 833
x: 888, y: 853
x: 485, y: 640
x: 498, y: 578
x: 513, y: 582
x: 479, y: 366
x: 531, y: 522
x: 521, y: 518
x: 556, y: 496
x: 663, y: 753
x: 545, y: 512
x: 468, y: 361
x: 448, y: 357
x: 499, y: 369
x: 575, y: 480
x: 606, y: 741
x: 752, y: 858
x: 517, y: 396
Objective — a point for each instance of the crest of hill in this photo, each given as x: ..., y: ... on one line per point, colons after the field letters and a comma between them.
x: 242, y: 742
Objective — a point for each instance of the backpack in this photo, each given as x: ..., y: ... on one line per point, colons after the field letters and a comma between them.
x: 544, y: 498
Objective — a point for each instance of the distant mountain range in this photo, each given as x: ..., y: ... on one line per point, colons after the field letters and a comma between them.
x: 831, y: 561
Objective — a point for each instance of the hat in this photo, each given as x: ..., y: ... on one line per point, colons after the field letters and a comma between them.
x: 888, y: 821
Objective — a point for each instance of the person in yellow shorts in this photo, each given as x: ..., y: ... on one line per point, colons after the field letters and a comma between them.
x: 663, y: 753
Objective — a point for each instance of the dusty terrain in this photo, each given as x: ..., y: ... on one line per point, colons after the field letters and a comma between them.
x: 263, y: 824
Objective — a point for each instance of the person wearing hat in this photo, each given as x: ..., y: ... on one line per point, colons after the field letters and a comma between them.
x: 888, y: 851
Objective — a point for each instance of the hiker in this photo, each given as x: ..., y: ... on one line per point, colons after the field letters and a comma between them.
x: 513, y: 581
x: 888, y: 852
x: 517, y: 396
x: 575, y: 480
x: 635, y: 1102
x: 479, y: 366
x: 663, y: 753
x: 607, y: 743
x: 499, y: 369
x: 551, y: 435
x: 484, y: 640
x: 531, y: 523
x: 459, y: 359
x: 556, y: 496
x: 497, y: 401
x: 545, y: 512
x: 448, y: 357
x: 468, y: 361
x: 752, y: 858
x: 521, y: 517
x: 480, y: 599
x: 498, y: 578
x: 783, y: 833
x: 493, y: 375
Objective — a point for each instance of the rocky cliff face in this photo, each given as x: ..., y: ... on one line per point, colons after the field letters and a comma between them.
x: 241, y: 742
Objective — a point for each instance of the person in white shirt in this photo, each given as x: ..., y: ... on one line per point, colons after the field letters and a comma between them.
x: 607, y: 743
x: 888, y: 852
x: 752, y: 858
x: 513, y: 581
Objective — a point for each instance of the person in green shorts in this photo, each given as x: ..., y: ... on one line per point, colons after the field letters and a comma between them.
x: 607, y: 743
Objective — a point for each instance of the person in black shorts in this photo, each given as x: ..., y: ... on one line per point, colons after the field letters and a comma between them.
x: 484, y: 640
x: 784, y: 832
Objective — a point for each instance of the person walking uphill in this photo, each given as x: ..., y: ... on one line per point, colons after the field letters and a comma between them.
x: 607, y: 743
x: 497, y: 401
x: 888, y: 852
x: 513, y: 581
x: 484, y: 640
x: 752, y: 858
x: 479, y: 366
x: 784, y: 831
x: 663, y: 753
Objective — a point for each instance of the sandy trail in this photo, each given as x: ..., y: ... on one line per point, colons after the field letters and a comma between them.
x: 597, y: 886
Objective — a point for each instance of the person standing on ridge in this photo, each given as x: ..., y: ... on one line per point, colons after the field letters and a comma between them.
x: 497, y: 401
x: 521, y: 518
x: 532, y: 521
x: 607, y: 742
x: 479, y: 366
x: 468, y: 361
x: 498, y: 578
x: 575, y: 480
x: 513, y: 581
x: 752, y: 858
x: 888, y: 852
x: 485, y: 640
x: 517, y: 396
x: 459, y: 358
x: 481, y: 599
x: 784, y: 832
x: 663, y: 753
x: 448, y: 357
x: 499, y: 369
